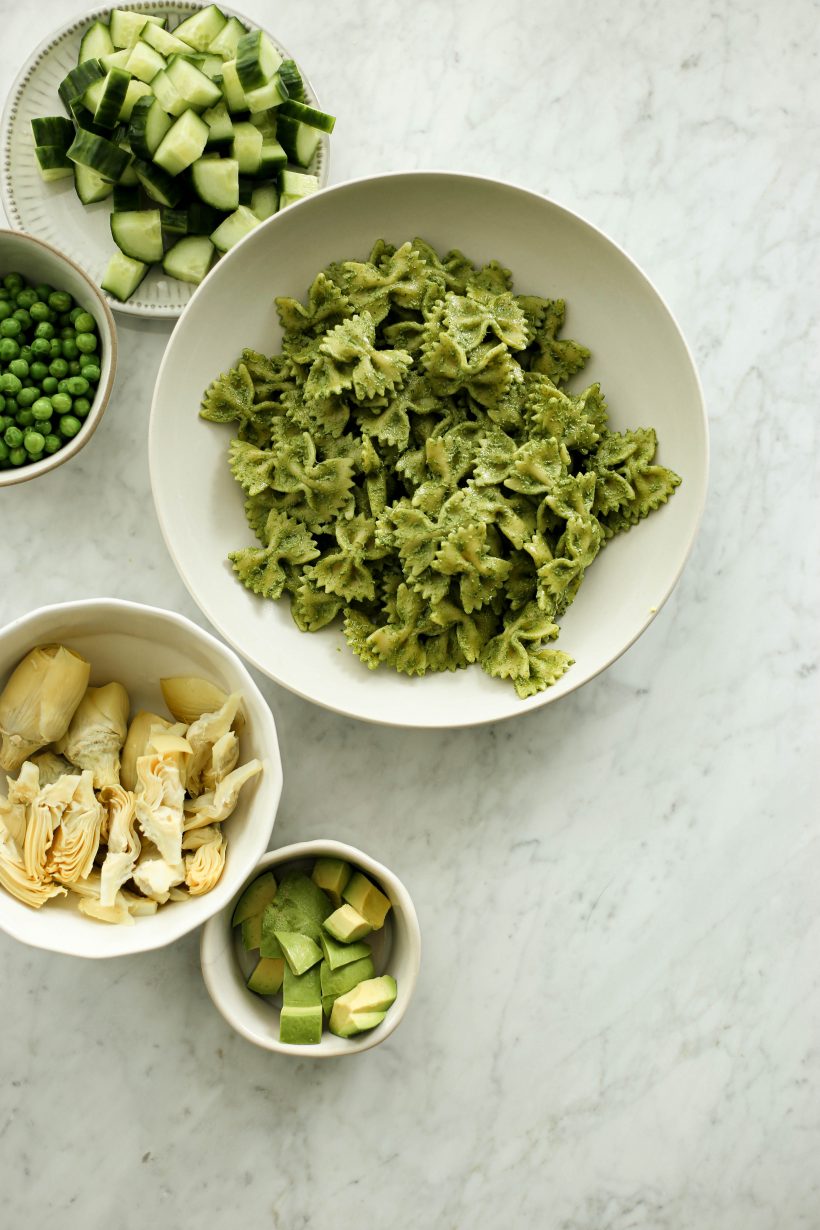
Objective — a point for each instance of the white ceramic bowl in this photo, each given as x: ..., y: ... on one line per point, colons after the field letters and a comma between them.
x: 40, y: 262
x: 53, y: 211
x: 226, y: 965
x: 137, y: 645
x: 639, y: 355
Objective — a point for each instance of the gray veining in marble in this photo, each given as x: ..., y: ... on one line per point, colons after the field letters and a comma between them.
x: 618, y: 1014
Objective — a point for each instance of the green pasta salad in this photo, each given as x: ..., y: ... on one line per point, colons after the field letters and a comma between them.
x: 413, y: 465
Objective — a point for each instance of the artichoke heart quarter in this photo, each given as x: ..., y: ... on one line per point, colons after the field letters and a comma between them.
x: 97, y: 732
x: 77, y: 837
x: 39, y: 700
x: 159, y: 799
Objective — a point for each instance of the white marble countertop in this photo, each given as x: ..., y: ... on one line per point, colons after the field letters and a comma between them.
x: 618, y: 1013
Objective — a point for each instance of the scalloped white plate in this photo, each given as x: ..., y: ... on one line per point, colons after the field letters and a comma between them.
x: 53, y: 211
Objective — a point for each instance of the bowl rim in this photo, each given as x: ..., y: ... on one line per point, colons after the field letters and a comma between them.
x: 548, y: 696
x: 215, y: 955
x: 22, y: 474
x: 273, y: 772
x: 82, y: 21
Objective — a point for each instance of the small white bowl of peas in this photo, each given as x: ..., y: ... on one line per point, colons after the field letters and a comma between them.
x: 58, y: 355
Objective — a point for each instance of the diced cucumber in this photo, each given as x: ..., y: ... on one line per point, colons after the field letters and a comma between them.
x: 53, y: 162
x: 246, y: 186
x: 122, y: 276
x: 144, y: 61
x: 138, y: 233
x: 184, y: 142
x: 265, y: 121
x: 53, y: 130
x: 90, y: 186
x: 235, y: 227
x: 264, y: 201
x: 162, y: 41
x: 167, y: 95
x: 83, y: 118
x: 256, y: 60
x: 149, y: 124
x: 219, y: 124
x: 129, y: 175
x: 175, y: 221
x: 110, y: 95
x: 115, y: 59
x: 232, y: 91
x: 271, y: 94
x: 191, y: 84
x: 308, y: 115
x: 247, y: 147
x: 136, y: 90
x: 216, y: 182
x: 189, y: 259
x: 103, y: 156
x: 126, y: 196
x: 160, y: 186
x: 78, y: 80
x: 292, y: 80
x: 299, y: 140
x: 211, y: 66
x: 96, y: 42
x: 203, y: 219
x: 125, y: 27
x: 200, y: 30
x: 273, y: 157
x: 227, y: 40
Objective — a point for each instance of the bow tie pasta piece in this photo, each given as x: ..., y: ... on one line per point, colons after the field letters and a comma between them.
x: 413, y: 463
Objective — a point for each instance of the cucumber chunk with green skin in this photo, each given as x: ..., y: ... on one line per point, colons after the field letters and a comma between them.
x: 75, y: 84
x: 300, y: 951
x: 220, y: 124
x: 191, y: 84
x: 112, y: 91
x: 175, y: 222
x: 336, y: 982
x: 302, y: 990
x: 91, y: 187
x: 115, y: 59
x: 162, y: 41
x: 232, y: 90
x: 332, y: 875
x: 235, y: 227
x: 203, y: 219
x: 264, y: 201
x: 252, y: 934
x: 147, y: 126
x: 167, y: 95
x: 247, y: 147
x: 271, y: 94
x: 161, y: 187
x: 299, y: 140
x: 138, y: 233
x: 267, y: 976
x: 200, y: 30
x: 346, y: 925
x: 125, y: 27
x: 308, y: 115
x: 122, y: 276
x: 337, y: 954
x: 144, y: 62
x: 184, y: 142
x: 103, y: 156
x: 227, y: 40
x: 256, y: 896
x: 136, y: 90
x: 366, y: 899
x: 126, y: 196
x: 189, y: 259
x: 292, y: 80
x: 96, y: 42
x: 85, y: 120
x: 272, y: 159
x: 53, y: 130
x: 211, y: 66
x: 53, y: 163
x: 297, y: 183
x: 256, y: 60
x: 216, y: 182
x: 301, y: 1026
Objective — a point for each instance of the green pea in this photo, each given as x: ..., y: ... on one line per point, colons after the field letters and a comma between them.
x: 26, y: 298
x: 61, y: 403
x: 22, y: 315
x: 33, y: 442
x: 86, y: 342
x: 17, y: 456
x: 4, y: 451
x: 4, y: 423
x: 52, y: 443
x: 74, y: 368
x: 27, y: 397
x: 11, y: 327
x: 24, y: 418
x: 39, y: 371
x: 13, y: 283
x: 13, y: 436
x: 69, y: 426
x: 9, y: 383
x: 5, y: 309
x: 81, y: 407
x: 42, y: 409
x: 40, y: 311
x: 19, y: 368
x: 58, y: 368
x: 60, y: 301
x: 76, y: 386
x: 70, y: 349
x: 91, y: 372
x: 64, y: 320
x: 85, y: 323
x: 55, y: 348
x: 44, y: 329
x: 41, y: 346
x: 10, y: 405
x: 49, y: 385
x: 9, y: 349
x: 67, y: 332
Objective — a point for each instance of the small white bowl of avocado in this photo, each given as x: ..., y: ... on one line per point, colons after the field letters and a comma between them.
x: 317, y: 955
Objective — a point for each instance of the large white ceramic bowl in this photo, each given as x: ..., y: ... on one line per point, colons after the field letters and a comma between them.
x: 137, y: 645
x: 40, y: 262
x: 639, y: 356
x: 396, y: 951
x: 53, y: 211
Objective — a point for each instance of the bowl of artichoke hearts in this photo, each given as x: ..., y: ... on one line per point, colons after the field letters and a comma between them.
x: 139, y: 777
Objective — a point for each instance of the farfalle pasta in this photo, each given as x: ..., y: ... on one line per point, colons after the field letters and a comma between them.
x: 413, y: 465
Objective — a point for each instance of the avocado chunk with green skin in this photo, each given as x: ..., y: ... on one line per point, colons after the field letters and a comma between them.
x: 300, y: 951
x: 367, y: 900
x: 254, y: 899
x: 252, y: 932
x: 267, y: 976
x: 337, y: 954
x: 355, y: 1011
x: 300, y: 905
x: 332, y: 875
x: 302, y: 990
x: 301, y: 1026
x: 336, y: 982
x: 346, y: 925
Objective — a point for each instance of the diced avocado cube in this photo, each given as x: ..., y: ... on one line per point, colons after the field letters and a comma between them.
x: 366, y: 899
x: 332, y: 875
x: 363, y: 1007
x: 300, y: 951
x: 252, y: 932
x: 337, y: 954
x: 301, y: 1026
x: 255, y: 897
x: 339, y: 981
x: 285, y: 916
x: 267, y: 976
x: 300, y: 889
x: 346, y: 925
x: 302, y: 990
